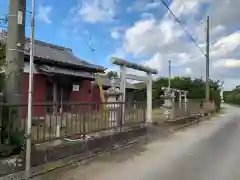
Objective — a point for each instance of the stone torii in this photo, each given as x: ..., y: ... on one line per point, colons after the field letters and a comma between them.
x: 147, y: 79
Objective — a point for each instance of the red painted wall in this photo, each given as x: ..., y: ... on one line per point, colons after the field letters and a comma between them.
x: 96, y: 97
x: 96, y: 94
x: 39, y: 88
x: 87, y: 93
x: 84, y: 94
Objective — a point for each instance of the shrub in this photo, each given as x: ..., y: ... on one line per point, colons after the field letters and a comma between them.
x: 216, y: 97
x: 12, y: 135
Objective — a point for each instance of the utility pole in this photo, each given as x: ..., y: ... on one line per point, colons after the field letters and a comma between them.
x: 15, y: 52
x: 169, y: 75
x: 207, y: 88
x: 30, y: 87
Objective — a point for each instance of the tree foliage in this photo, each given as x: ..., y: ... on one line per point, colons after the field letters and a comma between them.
x: 112, y: 74
x: 233, y: 96
x: 195, y: 88
x: 2, y: 62
x: 2, y: 53
x: 11, y: 136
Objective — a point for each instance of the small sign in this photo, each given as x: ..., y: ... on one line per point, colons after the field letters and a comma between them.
x: 75, y: 87
x: 20, y: 18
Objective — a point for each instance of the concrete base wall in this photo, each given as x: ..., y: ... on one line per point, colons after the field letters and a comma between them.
x: 54, y: 153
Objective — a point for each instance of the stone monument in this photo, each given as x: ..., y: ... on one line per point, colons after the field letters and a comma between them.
x: 169, y: 98
x: 114, y: 104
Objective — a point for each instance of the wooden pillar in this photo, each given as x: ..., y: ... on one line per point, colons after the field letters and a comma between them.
x: 54, y: 98
x: 55, y: 110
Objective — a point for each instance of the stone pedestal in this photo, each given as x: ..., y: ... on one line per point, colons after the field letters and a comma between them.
x: 114, y: 106
x: 168, y: 104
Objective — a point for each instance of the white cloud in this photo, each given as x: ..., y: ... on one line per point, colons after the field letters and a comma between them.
x: 225, y: 12
x: 144, y: 5
x: 182, y: 8
x: 155, y: 62
x: 164, y: 38
x: 119, y: 53
x: 93, y: 11
x: 188, y: 71
x: 218, y: 29
x: 226, y: 45
x: 148, y: 35
x: 43, y: 14
x: 147, y: 15
x: 115, y: 35
x: 227, y: 63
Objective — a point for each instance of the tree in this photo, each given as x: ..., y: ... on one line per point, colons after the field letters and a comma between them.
x: 232, y: 97
x: 2, y: 56
x: 3, y: 36
x: 195, y: 88
x: 11, y: 136
x: 112, y: 74
x: 2, y: 53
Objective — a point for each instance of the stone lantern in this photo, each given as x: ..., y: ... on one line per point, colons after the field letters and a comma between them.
x: 169, y: 98
x: 113, y: 98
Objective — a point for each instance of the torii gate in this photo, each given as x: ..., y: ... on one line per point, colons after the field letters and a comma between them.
x: 147, y: 79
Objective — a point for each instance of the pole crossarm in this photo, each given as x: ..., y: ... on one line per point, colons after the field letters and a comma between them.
x: 121, y: 62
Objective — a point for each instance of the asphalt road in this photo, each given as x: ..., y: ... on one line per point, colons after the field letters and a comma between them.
x: 208, y: 151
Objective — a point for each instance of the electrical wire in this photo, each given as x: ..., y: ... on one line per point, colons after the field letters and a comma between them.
x: 98, y: 76
x: 90, y: 44
x: 180, y: 23
x: 25, y: 9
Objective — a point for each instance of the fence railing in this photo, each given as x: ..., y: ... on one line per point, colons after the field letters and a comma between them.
x: 52, y: 121
x: 189, y: 108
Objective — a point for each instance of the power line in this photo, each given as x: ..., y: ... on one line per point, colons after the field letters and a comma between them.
x: 201, y: 22
x: 179, y: 22
x: 90, y: 44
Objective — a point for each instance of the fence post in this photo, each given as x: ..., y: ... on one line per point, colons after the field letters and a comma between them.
x: 1, y: 121
x: 120, y: 117
x: 84, y: 126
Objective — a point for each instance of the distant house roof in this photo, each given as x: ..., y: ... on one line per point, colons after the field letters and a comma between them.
x: 49, y: 53
x: 107, y: 82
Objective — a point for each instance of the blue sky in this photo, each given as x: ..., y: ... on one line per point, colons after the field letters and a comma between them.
x: 144, y: 32
x: 55, y: 24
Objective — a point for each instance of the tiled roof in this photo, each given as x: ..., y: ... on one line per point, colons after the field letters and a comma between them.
x: 59, y: 54
x: 65, y: 71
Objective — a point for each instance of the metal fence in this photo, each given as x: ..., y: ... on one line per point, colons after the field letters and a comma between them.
x: 50, y: 121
